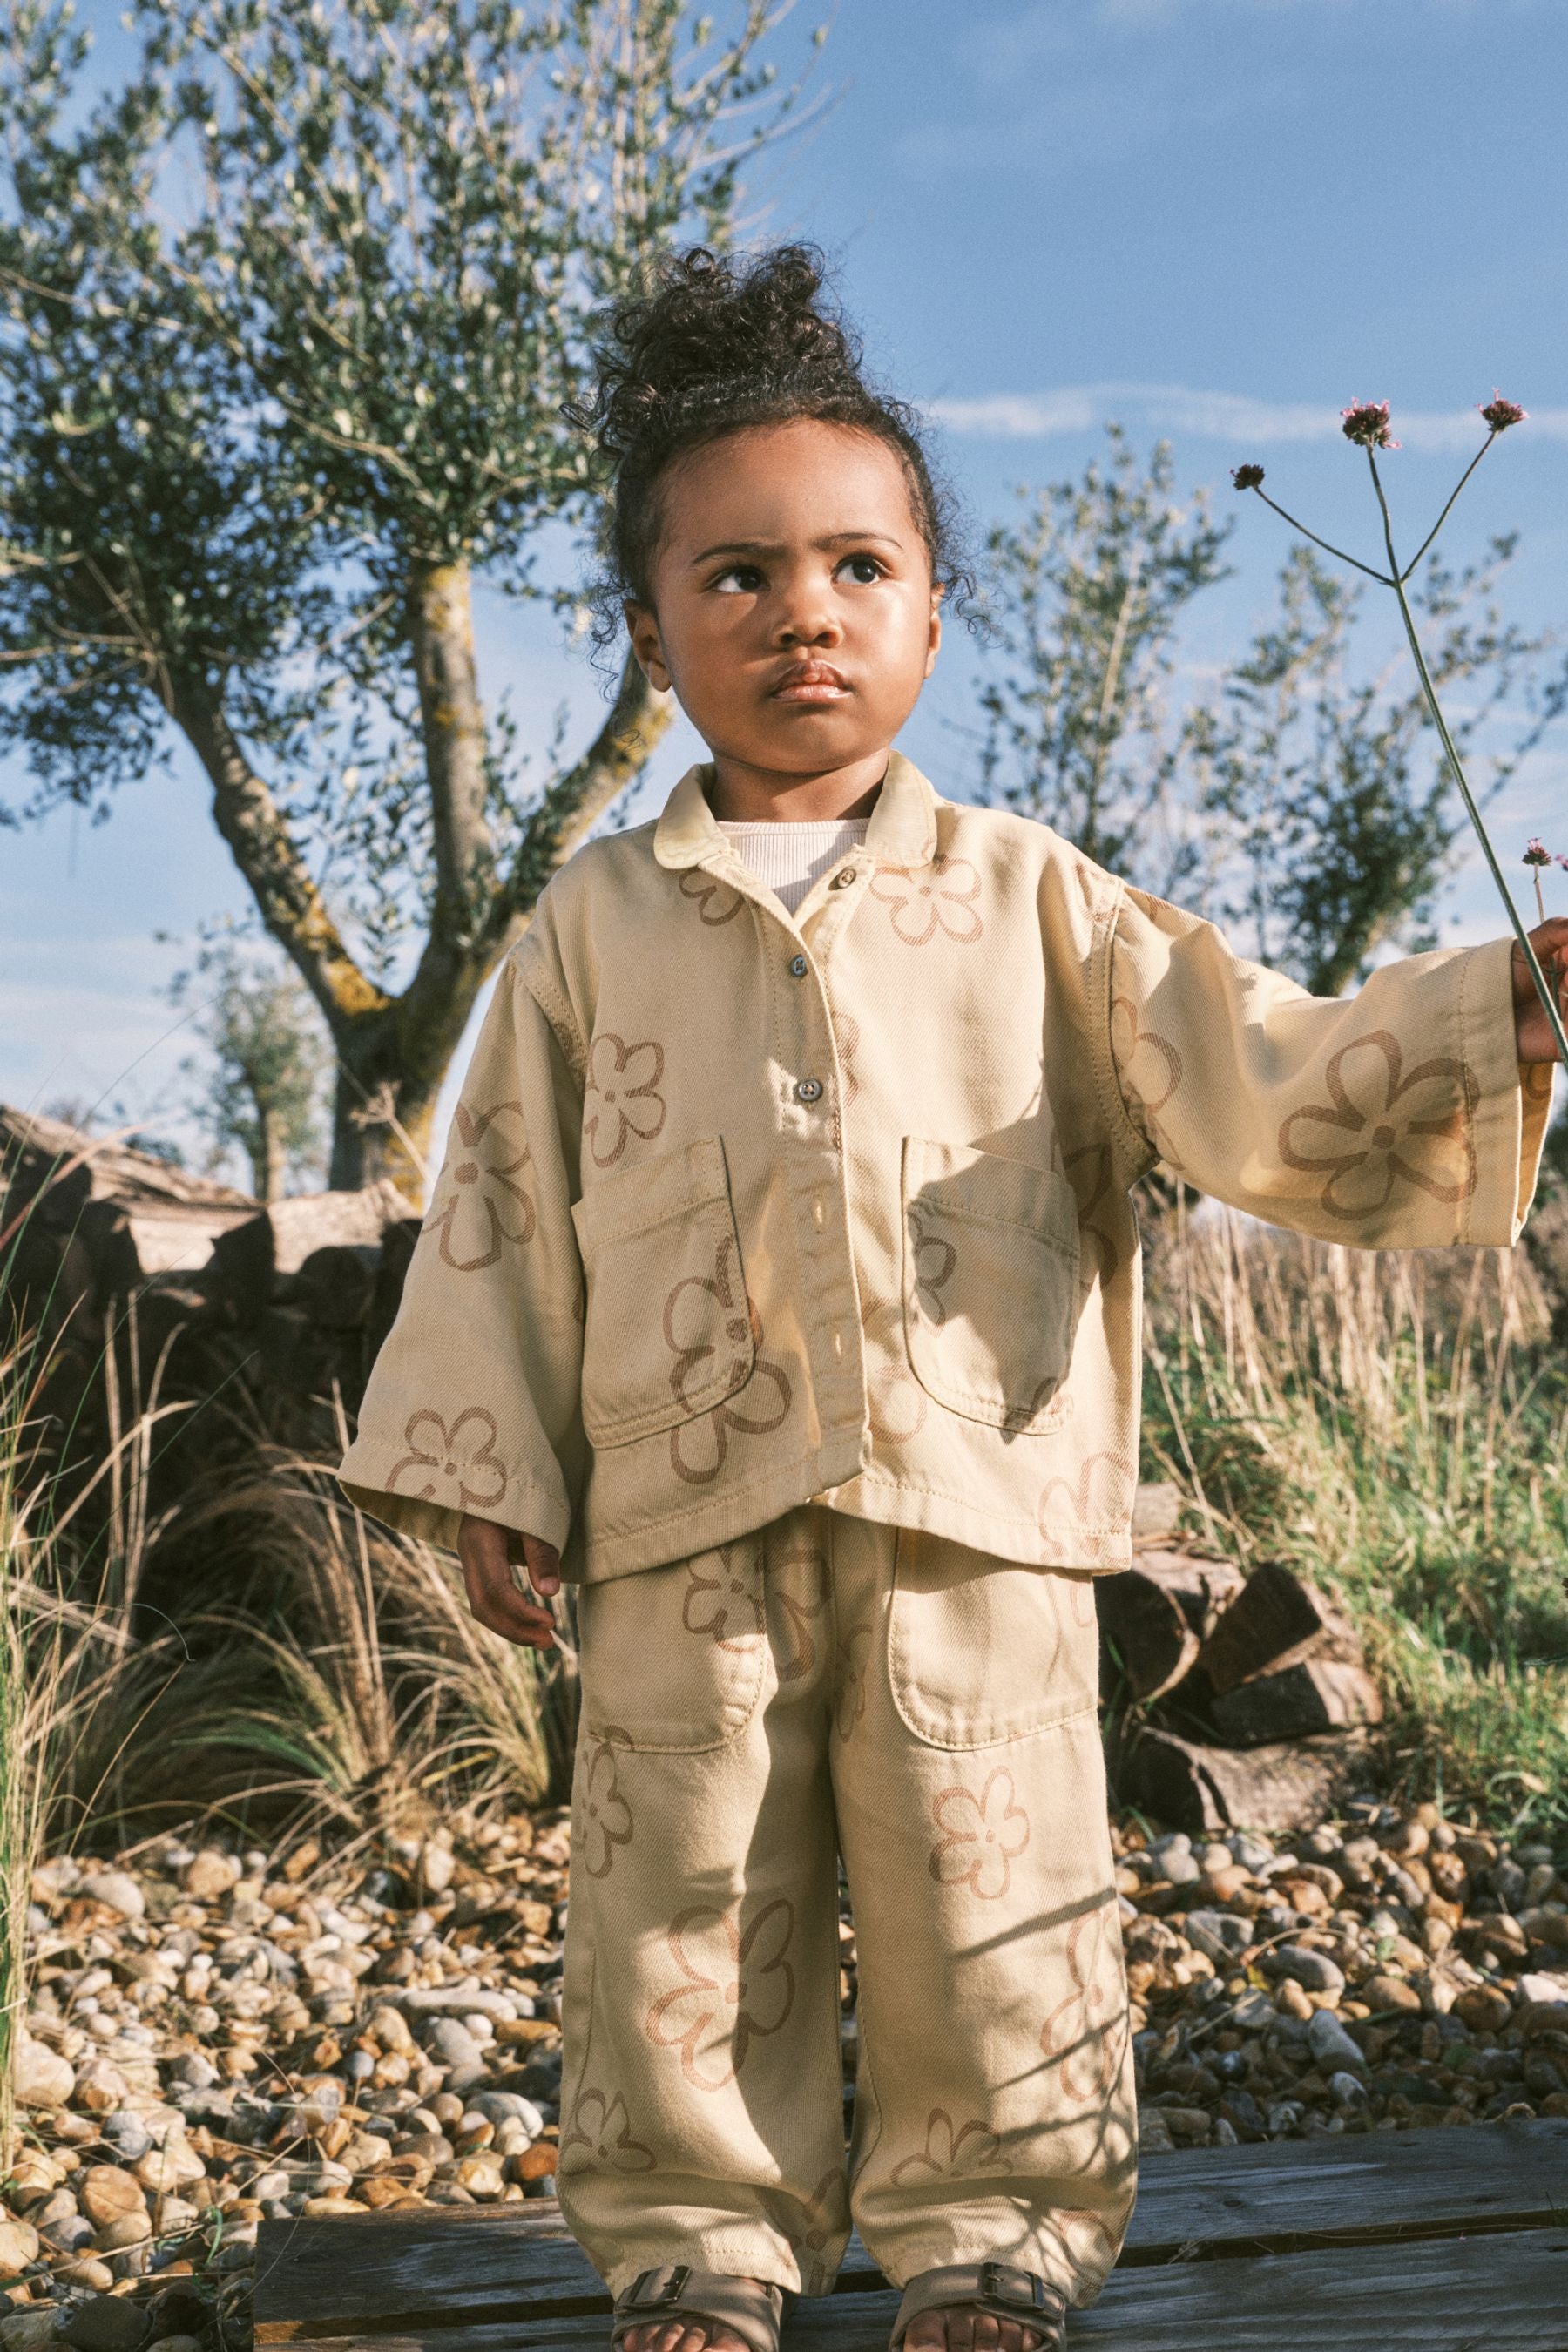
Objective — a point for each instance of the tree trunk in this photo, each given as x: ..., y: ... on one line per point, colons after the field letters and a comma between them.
x: 441, y: 637
x: 267, y: 1160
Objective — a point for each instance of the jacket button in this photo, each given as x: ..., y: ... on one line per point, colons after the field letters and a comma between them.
x: 809, y: 1090
x: 841, y: 881
x: 799, y: 966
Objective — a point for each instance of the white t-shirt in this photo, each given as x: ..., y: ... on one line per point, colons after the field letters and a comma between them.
x: 790, y: 857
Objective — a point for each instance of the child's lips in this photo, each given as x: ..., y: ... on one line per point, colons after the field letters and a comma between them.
x: 812, y: 682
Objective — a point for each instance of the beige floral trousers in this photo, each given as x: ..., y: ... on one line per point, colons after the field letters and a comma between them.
x: 826, y: 1688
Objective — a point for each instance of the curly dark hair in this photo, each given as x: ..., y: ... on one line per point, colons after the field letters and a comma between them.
x: 715, y: 344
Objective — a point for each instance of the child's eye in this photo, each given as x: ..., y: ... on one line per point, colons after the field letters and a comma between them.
x: 741, y: 580
x: 864, y: 569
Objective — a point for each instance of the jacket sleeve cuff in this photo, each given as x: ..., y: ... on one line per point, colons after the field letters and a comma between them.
x: 1514, y: 1101
x: 526, y: 1508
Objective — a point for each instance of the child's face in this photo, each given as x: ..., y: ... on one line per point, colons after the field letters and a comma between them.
x: 793, y: 612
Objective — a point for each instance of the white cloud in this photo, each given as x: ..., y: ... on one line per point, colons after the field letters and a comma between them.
x: 1230, y: 416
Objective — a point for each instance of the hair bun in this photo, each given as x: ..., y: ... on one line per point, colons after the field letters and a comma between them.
x: 707, y: 327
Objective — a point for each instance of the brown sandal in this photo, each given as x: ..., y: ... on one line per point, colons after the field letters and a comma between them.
x: 675, y: 2291
x: 996, y: 2289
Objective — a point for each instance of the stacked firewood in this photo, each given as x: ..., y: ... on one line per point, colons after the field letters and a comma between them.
x: 1235, y: 1701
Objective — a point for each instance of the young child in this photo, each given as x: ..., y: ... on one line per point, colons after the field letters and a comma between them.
x: 780, y: 1291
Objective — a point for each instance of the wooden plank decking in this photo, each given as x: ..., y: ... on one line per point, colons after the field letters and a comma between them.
x: 1436, y: 2240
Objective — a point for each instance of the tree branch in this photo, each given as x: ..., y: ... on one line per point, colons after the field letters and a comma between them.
x: 290, y: 903
x: 576, y: 801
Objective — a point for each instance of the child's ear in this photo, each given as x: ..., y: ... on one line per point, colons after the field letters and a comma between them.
x: 642, y: 627
x: 933, y: 646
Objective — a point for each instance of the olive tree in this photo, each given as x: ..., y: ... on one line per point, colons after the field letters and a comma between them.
x: 1300, y: 797
x: 287, y: 324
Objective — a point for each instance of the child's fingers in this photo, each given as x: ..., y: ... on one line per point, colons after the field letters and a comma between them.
x: 493, y: 1591
x: 544, y: 1564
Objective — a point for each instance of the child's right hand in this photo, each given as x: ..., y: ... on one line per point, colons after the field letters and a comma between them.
x: 485, y: 1550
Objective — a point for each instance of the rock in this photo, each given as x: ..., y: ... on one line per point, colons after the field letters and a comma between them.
x: 193, y: 2068
x: 459, y: 2002
x: 452, y: 2045
x: 1346, y: 2090
x: 180, y: 2310
x: 390, y: 2028
x: 86, y: 2270
x: 481, y: 2174
x: 1293, y: 2001
x: 211, y: 1874
x: 130, y: 2230
x: 1533, y: 1986
x: 118, y: 1890
x: 1154, y: 2133
x: 502, y: 2107
x: 18, y: 2246
x: 106, y: 2194
x: 127, y: 2134
x: 30, y: 2331
x: 1313, y: 1970
x: 42, y: 2078
x: 1385, y: 1992
x: 1483, y: 2008
x: 1221, y: 1936
x: 169, y: 2168
x: 1331, y: 2046
x: 100, y: 2086
x: 437, y: 1867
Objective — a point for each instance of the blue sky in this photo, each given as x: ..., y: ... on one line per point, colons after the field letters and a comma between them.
x: 1217, y: 220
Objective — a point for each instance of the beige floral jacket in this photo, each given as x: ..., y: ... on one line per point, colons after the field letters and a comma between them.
x: 737, y: 1211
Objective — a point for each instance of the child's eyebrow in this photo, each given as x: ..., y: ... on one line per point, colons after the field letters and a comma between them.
x: 778, y: 546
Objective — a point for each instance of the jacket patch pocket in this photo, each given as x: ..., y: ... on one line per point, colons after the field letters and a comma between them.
x: 672, y: 1658
x: 979, y: 1653
x: 668, y: 1331
x: 990, y: 1284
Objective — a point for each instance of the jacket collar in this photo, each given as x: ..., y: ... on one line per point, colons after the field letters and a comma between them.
x: 902, y: 831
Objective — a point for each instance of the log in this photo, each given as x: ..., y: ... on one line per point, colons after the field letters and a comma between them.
x: 1276, y: 1620
x: 1155, y: 1615
x: 247, y: 1260
x: 1315, y: 1695
x: 1287, y: 1786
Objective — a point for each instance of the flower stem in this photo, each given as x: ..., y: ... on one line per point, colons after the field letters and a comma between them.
x: 1443, y: 518
x: 1328, y: 548
x: 1532, y: 960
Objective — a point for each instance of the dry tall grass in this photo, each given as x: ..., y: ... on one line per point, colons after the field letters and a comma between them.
x: 1396, y: 1425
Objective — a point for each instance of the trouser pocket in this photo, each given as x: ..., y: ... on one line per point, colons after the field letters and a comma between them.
x: 979, y: 1651
x: 672, y: 1658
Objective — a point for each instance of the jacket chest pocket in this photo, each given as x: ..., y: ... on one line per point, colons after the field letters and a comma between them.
x: 990, y: 1284
x: 667, y: 1333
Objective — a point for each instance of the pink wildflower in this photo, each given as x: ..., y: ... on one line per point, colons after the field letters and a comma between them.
x: 1246, y: 477
x: 1499, y: 414
x: 1536, y: 852
x: 1366, y: 424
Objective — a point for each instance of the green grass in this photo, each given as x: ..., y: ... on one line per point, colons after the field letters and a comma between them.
x: 1395, y: 1426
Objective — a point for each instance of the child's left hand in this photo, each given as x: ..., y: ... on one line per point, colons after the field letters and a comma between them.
x: 1550, y: 941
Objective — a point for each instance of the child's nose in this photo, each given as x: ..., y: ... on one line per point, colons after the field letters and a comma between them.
x: 810, y: 621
